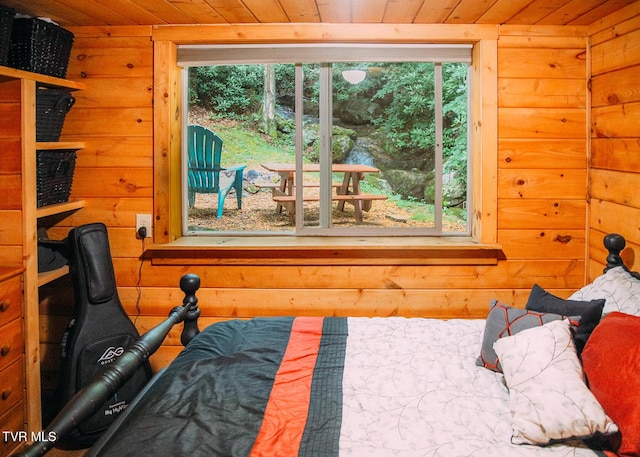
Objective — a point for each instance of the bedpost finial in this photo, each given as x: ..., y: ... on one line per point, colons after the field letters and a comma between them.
x: 614, y: 243
x: 190, y: 283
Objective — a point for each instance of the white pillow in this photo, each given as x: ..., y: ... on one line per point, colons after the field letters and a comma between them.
x: 548, y: 397
x: 620, y: 290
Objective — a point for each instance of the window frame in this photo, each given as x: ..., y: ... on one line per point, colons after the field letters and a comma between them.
x: 326, y: 55
x: 169, y: 247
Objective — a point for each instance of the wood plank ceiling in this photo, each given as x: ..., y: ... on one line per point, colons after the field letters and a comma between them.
x: 154, y: 12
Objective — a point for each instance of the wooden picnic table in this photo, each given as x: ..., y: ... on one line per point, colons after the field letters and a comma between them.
x: 348, y: 191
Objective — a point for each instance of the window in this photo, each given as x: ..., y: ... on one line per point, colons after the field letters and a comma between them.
x: 383, y: 154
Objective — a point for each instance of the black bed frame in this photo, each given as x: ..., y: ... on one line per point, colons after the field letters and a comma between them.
x: 89, y: 399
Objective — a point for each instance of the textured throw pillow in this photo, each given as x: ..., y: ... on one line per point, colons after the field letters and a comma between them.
x: 503, y: 320
x: 590, y: 311
x: 611, y: 362
x: 548, y: 398
x: 620, y: 290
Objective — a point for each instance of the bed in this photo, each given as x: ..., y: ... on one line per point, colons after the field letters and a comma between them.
x: 557, y: 378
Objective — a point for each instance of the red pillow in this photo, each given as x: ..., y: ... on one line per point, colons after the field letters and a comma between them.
x: 611, y: 361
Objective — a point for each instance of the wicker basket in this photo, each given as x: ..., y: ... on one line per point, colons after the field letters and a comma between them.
x: 40, y: 47
x: 6, y: 25
x: 54, y: 175
x: 52, y: 106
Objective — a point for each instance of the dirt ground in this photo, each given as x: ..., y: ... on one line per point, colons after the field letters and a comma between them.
x: 259, y: 213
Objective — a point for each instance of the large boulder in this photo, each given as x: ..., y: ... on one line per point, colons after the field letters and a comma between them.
x: 407, y: 183
x: 454, y: 190
x: 342, y: 142
x: 357, y: 111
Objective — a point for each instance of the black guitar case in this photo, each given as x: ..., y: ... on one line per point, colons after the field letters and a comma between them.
x: 99, y: 333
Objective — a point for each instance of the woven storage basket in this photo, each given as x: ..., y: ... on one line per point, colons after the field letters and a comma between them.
x: 54, y: 175
x: 52, y: 106
x: 40, y: 47
x: 6, y: 25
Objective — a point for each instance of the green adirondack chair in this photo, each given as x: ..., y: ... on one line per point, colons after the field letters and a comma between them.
x: 205, y: 174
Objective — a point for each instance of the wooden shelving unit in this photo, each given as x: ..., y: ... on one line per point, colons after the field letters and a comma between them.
x: 59, y: 208
x: 20, y: 88
x: 51, y: 210
x: 7, y: 74
x: 50, y: 145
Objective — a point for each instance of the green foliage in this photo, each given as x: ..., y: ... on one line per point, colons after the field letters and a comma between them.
x: 455, y: 101
x: 234, y: 90
x: 404, y: 93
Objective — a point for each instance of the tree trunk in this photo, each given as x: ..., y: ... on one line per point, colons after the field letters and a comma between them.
x: 269, y: 102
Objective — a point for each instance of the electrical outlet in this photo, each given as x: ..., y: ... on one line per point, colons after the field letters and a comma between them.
x: 143, y: 220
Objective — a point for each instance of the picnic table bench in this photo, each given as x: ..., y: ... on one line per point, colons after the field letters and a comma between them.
x: 283, y: 193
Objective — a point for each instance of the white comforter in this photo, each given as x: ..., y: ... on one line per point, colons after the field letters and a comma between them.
x: 402, y: 401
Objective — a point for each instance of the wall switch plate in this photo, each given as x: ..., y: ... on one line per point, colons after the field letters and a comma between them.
x: 143, y: 220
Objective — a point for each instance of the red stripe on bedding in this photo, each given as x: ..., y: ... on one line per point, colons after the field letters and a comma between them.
x: 286, y: 413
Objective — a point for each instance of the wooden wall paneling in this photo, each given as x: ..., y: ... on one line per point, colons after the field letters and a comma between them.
x: 545, y: 183
x: 615, y: 140
x: 611, y: 217
x: 622, y: 154
x: 542, y: 63
x: 112, y: 151
x: 542, y: 166
x: 616, y: 187
x: 465, y: 277
x: 542, y: 93
x: 127, y: 92
x: 437, y: 303
x: 536, y: 244
x: 538, y: 37
x: 117, y: 212
x: 616, y: 53
x: 619, y: 121
x: 106, y: 121
x: 542, y: 122
x: 541, y: 213
x: 114, y: 183
x: 616, y: 87
x: 523, y: 153
x: 102, y: 56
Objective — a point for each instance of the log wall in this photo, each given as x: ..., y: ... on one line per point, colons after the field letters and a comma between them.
x: 541, y: 158
x: 615, y: 136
